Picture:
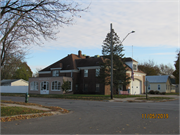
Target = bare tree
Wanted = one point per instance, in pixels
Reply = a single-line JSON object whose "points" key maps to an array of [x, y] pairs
{"points": [[32, 20], [36, 74], [166, 69]]}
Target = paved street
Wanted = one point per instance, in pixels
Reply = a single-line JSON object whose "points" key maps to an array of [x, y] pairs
{"points": [[97, 117]]}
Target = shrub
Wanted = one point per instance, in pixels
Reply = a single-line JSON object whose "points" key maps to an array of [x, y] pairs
{"points": [[151, 92], [163, 93], [156, 92]]}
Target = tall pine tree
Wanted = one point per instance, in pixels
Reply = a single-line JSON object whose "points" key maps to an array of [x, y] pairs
{"points": [[119, 68], [176, 72]]}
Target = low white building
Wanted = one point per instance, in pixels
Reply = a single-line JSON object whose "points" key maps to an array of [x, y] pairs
{"points": [[161, 83], [14, 82]]}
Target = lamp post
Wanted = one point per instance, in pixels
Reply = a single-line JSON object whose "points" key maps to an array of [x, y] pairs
{"points": [[112, 58]]}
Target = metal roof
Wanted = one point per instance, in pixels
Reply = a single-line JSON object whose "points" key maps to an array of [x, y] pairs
{"points": [[157, 79]]}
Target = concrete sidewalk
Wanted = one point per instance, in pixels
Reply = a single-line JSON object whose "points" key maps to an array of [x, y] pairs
{"points": [[176, 97], [32, 107]]}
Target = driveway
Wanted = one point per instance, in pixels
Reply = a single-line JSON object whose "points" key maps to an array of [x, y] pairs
{"points": [[97, 117]]}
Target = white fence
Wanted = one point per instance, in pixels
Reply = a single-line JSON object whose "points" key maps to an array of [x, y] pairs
{"points": [[13, 89]]}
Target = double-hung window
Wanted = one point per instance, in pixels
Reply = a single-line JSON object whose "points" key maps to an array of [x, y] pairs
{"points": [[159, 87], [55, 72], [85, 72], [97, 87], [97, 72], [34, 86], [85, 87], [149, 87], [56, 86], [135, 67]]}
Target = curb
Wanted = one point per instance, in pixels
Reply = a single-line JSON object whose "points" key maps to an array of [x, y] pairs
{"points": [[141, 101]]}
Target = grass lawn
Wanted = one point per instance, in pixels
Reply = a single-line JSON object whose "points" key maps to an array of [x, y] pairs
{"points": [[73, 96], [172, 94], [154, 98], [9, 111]]}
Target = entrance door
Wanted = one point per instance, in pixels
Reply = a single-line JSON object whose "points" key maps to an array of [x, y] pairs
{"points": [[136, 87], [44, 87]]}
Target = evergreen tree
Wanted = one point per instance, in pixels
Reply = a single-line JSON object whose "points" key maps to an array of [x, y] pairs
{"points": [[176, 72], [119, 68]]}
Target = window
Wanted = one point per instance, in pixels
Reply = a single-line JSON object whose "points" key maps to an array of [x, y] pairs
{"points": [[85, 72], [120, 87], [159, 86], [69, 86], [56, 86], [97, 72], [34, 86], [85, 87], [97, 87], [76, 87], [149, 87], [55, 72], [134, 67], [44, 85]]}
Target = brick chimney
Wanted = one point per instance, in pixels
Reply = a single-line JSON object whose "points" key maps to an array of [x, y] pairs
{"points": [[79, 54]]}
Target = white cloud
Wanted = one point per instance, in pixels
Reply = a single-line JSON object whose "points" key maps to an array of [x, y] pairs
{"points": [[155, 23]]}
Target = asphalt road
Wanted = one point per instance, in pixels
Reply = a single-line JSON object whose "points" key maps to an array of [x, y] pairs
{"points": [[97, 117]]}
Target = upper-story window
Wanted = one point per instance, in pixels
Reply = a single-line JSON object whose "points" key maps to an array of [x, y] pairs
{"points": [[97, 72], [55, 73], [85, 72], [134, 67]]}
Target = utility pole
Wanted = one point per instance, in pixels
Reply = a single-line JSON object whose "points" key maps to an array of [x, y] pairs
{"points": [[146, 88], [111, 63]]}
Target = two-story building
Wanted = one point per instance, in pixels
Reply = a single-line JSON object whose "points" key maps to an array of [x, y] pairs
{"points": [[82, 73]]}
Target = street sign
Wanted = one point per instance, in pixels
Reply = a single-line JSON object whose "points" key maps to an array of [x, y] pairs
{"points": [[146, 82]]}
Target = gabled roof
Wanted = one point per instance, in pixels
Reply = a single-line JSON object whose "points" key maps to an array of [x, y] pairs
{"points": [[157, 79], [129, 59], [72, 62], [67, 63], [89, 62], [8, 81]]}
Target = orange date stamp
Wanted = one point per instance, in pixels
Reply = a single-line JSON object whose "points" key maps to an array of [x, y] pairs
{"points": [[155, 116]]}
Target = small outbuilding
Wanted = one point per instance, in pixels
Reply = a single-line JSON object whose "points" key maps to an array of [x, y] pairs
{"points": [[161, 83], [14, 82]]}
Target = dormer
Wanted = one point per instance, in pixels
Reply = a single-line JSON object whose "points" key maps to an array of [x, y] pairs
{"points": [[56, 70], [132, 63]]}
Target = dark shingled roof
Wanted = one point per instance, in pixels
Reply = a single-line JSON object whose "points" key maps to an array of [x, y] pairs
{"points": [[72, 62], [67, 63], [89, 62]]}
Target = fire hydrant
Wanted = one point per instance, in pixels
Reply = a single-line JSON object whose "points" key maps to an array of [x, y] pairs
{"points": [[26, 97]]}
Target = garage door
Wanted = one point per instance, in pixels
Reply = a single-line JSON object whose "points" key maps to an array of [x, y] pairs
{"points": [[136, 87]]}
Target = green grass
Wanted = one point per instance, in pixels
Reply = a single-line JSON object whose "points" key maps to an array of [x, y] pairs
{"points": [[154, 98], [9, 111], [172, 94]]}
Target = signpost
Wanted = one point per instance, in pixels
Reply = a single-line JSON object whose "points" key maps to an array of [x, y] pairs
{"points": [[146, 83]]}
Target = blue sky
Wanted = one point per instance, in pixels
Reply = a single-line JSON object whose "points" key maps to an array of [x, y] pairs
{"points": [[155, 23]]}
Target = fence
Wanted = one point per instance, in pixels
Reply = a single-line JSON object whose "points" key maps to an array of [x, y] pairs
{"points": [[13, 89]]}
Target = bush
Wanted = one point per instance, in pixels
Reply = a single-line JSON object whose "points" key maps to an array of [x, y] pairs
{"points": [[151, 92], [163, 93], [156, 92]]}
